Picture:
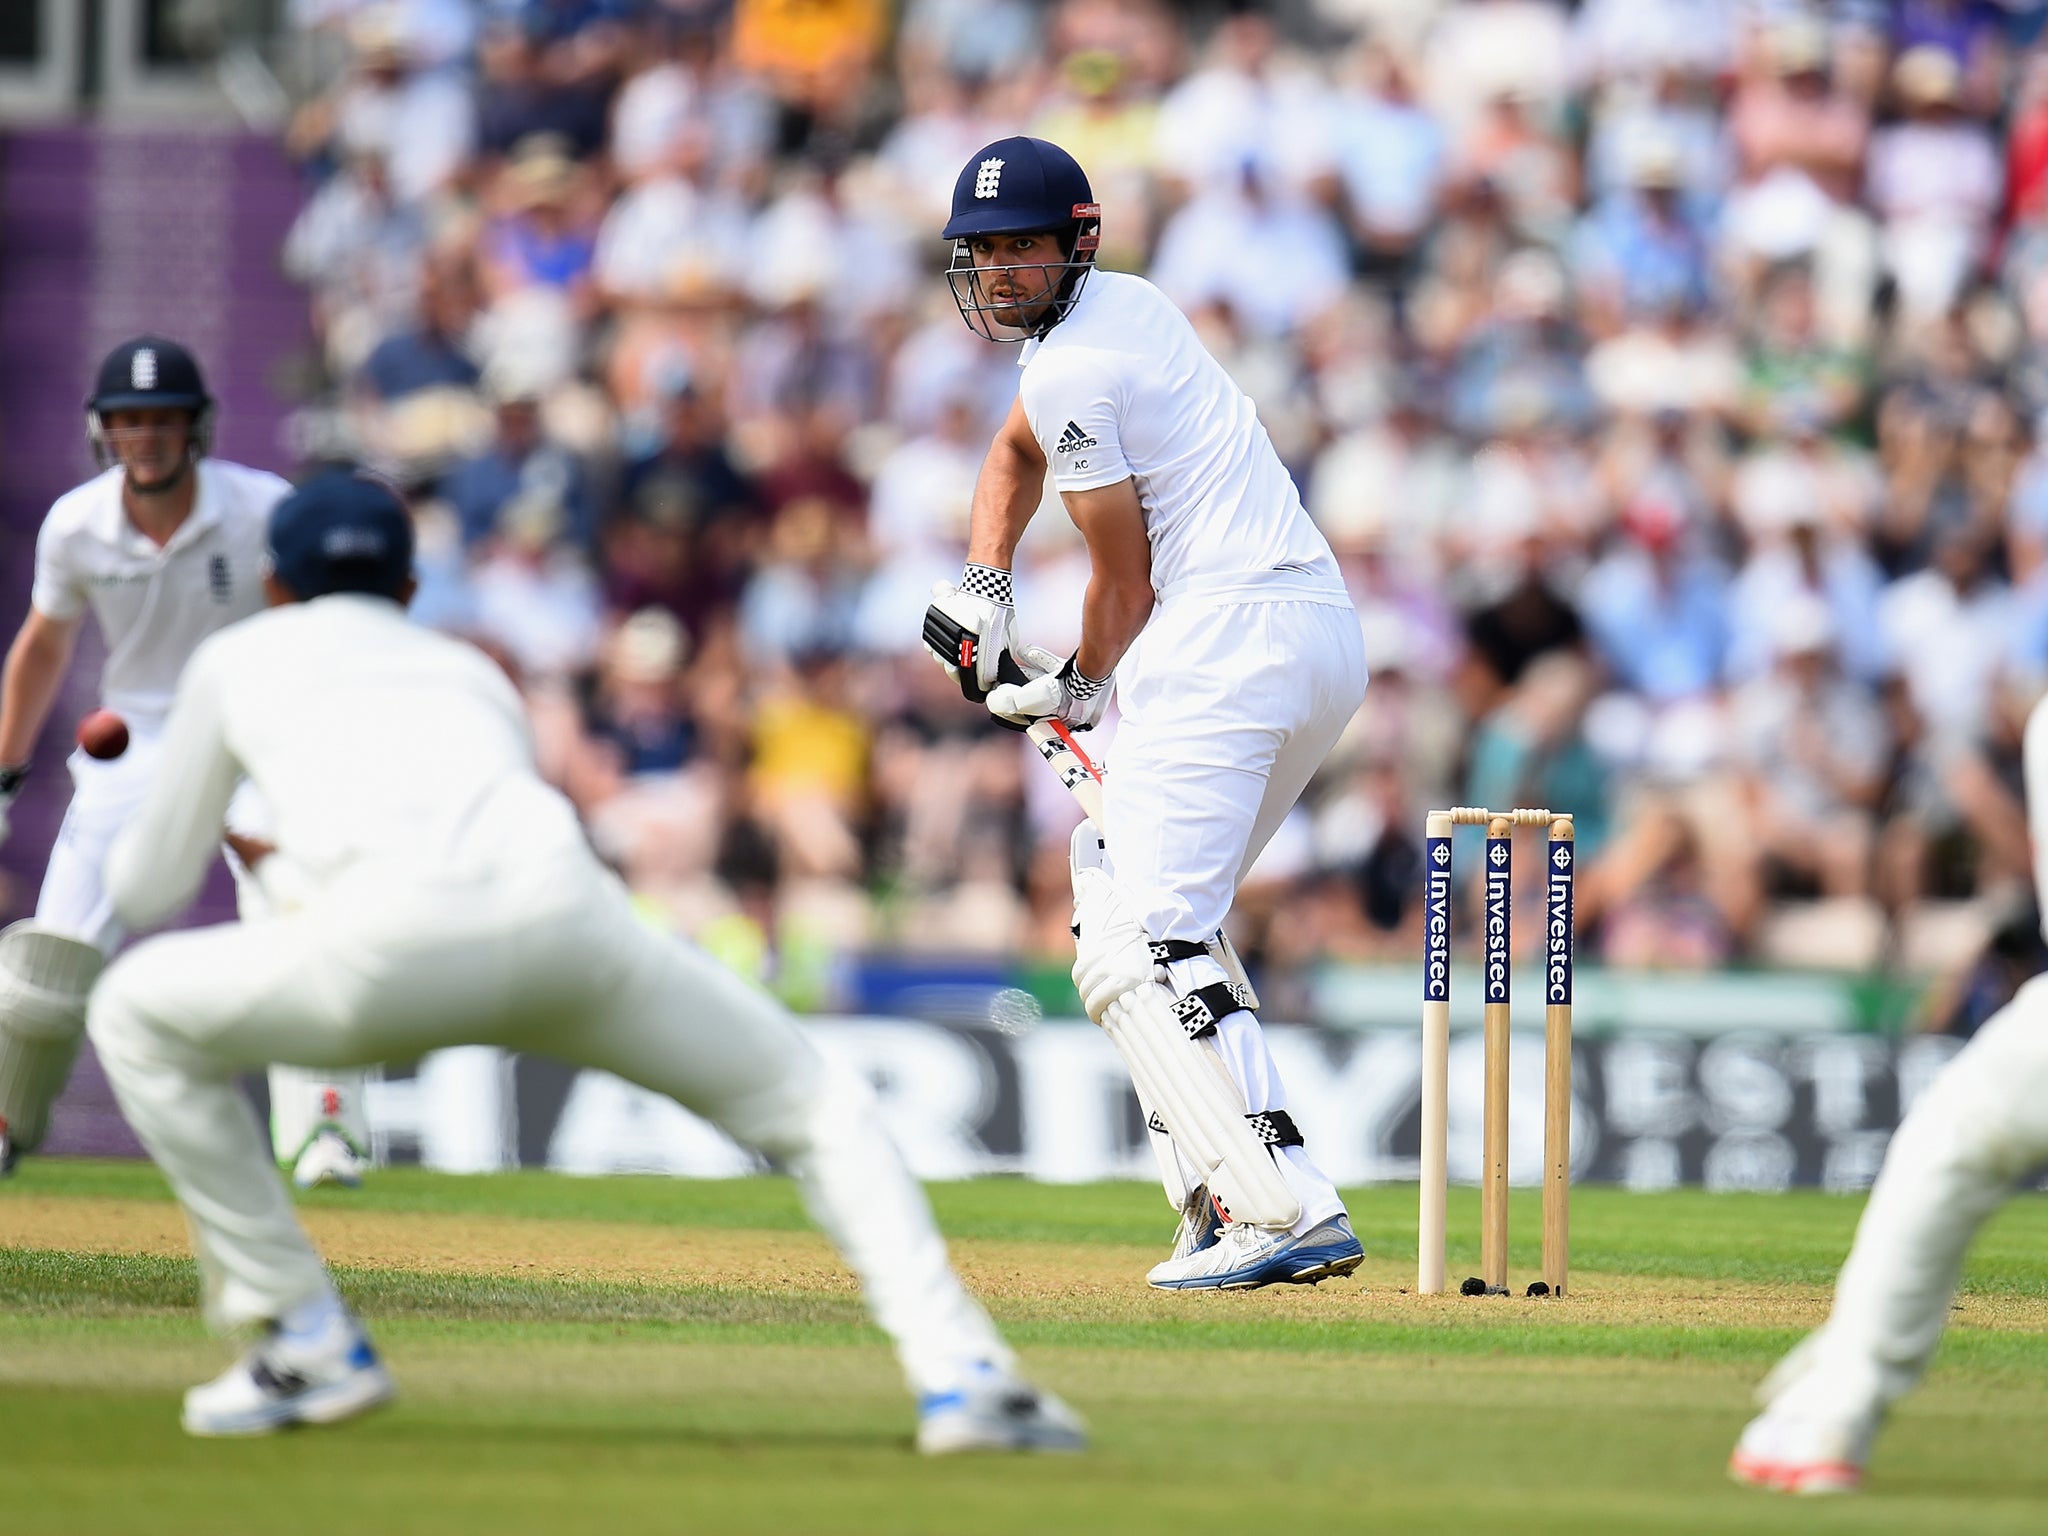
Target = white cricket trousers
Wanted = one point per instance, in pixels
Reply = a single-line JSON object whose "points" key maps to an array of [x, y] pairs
{"points": [[1228, 709], [105, 795], [541, 954], [1977, 1131]]}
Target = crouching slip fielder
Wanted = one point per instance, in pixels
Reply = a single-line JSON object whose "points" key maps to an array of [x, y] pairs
{"points": [[164, 547], [1237, 657], [448, 898], [1977, 1133]]}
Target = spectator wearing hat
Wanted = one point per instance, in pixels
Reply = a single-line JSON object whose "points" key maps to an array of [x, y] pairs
{"points": [[435, 350], [541, 239], [1811, 750], [1643, 253], [1802, 508], [1655, 604], [404, 100], [1935, 183], [1793, 378], [520, 462], [1110, 121], [359, 251], [1949, 629], [1792, 117], [1276, 259], [1390, 158], [534, 84]]}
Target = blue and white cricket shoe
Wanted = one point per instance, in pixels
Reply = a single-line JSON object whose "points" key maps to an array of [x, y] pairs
{"points": [[317, 1375], [993, 1410], [1246, 1257]]}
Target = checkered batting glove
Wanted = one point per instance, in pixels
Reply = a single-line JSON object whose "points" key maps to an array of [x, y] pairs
{"points": [[967, 628], [1059, 690]]}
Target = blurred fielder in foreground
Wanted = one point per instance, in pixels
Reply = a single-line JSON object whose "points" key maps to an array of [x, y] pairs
{"points": [[1978, 1132], [447, 897], [1237, 656], [164, 547]]}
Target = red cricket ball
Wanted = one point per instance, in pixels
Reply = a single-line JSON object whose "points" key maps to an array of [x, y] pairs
{"points": [[103, 734]]}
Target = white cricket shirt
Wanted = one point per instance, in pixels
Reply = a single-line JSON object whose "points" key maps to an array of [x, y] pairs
{"points": [[374, 742], [154, 605], [1123, 388]]}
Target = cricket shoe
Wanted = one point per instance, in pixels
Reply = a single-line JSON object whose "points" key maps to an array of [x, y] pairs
{"points": [[1791, 1453], [321, 1370], [329, 1159], [1246, 1257], [993, 1410], [1200, 1226]]}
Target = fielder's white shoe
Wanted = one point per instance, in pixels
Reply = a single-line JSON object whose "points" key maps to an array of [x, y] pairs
{"points": [[1821, 1413], [993, 1410], [1245, 1257], [1791, 1453], [319, 1371], [329, 1159]]}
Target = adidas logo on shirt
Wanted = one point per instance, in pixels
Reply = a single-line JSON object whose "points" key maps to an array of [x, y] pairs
{"points": [[1073, 439]]}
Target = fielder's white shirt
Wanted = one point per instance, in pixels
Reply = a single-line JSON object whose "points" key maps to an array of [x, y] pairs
{"points": [[1123, 388], [154, 605], [373, 741]]}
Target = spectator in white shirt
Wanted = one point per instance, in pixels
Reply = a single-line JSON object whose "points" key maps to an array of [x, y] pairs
{"points": [[1936, 183]]}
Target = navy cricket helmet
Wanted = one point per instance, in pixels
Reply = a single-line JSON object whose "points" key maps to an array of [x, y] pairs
{"points": [[149, 373], [1021, 186]]}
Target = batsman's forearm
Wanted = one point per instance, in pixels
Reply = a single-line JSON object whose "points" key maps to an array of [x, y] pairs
{"points": [[1006, 494], [1111, 616], [28, 687]]}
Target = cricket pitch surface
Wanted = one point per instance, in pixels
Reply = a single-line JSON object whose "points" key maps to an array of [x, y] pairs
{"points": [[641, 1354]]}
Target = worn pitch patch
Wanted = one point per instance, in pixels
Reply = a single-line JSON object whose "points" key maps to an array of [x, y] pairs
{"points": [[1038, 1279]]}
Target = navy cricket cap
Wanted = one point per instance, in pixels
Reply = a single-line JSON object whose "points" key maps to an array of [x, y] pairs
{"points": [[341, 532], [1019, 185]]}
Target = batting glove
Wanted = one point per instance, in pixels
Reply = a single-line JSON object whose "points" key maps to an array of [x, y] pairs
{"points": [[1057, 691], [967, 628]]}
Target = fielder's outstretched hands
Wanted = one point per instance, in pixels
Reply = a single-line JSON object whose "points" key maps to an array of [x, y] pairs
{"points": [[1056, 691], [967, 628]]}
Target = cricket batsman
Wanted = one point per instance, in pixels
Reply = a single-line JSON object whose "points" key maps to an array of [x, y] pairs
{"points": [[1978, 1133], [164, 546], [446, 896], [1216, 611]]}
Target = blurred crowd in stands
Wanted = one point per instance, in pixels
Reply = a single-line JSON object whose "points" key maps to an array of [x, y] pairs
{"points": [[1667, 375]]}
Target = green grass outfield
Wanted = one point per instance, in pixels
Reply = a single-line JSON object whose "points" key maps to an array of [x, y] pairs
{"points": [[631, 1355]]}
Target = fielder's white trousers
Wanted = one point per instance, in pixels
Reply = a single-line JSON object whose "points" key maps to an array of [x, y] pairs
{"points": [[1228, 710], [1978, 1129], [543, 955], [105, 794]]}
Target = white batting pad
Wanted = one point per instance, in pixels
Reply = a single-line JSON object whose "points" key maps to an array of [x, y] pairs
{"points": [[1204, 1112]]}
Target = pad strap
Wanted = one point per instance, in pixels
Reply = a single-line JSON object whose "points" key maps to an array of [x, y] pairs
{"points": [[1166, 951], [1200, 1011], [1275, 1127]]}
